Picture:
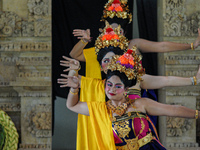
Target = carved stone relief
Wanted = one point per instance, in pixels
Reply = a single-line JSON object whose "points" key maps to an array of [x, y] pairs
{"points": [[38, 7], [38, 121], [25, 69], [177, 126], [177, 23], [11, 25]]}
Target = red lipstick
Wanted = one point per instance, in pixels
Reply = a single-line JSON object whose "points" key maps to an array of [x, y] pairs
{"points": [[112, 94]]}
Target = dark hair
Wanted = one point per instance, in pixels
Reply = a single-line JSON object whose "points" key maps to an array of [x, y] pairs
{"points": [[102, 52], [123, 78]]}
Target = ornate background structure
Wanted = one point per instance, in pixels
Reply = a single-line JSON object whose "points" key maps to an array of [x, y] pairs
{"points": [[25, 69], [178, 21]]}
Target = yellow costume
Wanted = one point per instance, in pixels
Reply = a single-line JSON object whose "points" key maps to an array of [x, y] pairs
{"points": [[93, 69], [85, 136], [99, 135]]}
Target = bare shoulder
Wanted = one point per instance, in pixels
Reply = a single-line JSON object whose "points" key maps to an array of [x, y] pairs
{"points": [[139, 105]]}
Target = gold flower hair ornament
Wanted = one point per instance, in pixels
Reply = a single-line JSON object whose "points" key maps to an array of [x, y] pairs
{"points": [[116, 8], [111, 37], [129, 63]]}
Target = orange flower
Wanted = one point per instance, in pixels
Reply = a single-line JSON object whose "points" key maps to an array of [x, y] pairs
{"points": [[115, 37], [119, 8], [131, 62], [123, 60], [110, 8]]}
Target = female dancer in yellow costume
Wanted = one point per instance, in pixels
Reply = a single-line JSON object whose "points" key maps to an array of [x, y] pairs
{"points": [[85, 125], [120, 15], [125, 117]]}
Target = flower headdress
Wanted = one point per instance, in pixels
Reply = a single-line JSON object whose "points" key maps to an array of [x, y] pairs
{"points": [[111, 37], [129, 63], [117, 8]]}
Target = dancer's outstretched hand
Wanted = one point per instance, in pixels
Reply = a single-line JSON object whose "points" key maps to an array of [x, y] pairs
{"points": [[73, 64], [82, 34], [197, 41], [198, 76], [68, 81]]}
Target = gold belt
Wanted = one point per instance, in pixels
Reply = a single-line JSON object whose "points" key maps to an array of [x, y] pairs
{"points": [[134, 144]]}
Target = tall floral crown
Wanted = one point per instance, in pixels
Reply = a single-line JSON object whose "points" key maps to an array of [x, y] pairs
{"points": [[129, 63], [110, 37], [116, 8]]}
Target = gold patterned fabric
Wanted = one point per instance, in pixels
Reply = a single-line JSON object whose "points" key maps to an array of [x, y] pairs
{"points": [[124, 128]]}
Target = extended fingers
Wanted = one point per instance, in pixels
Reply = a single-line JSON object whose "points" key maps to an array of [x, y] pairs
{"points": [[66, 76], [67, 58]]}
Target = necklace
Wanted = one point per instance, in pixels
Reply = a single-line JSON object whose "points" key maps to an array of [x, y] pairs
{"points": [[119, 110]]}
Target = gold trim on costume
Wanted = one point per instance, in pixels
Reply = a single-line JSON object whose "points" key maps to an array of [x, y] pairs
{"points": [[135, 144]]}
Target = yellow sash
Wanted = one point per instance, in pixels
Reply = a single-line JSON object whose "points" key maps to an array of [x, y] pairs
{"points": [[93, 68]]}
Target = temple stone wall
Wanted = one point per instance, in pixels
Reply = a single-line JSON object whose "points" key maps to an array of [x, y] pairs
{"points": [[178, 21], [25, 69]]}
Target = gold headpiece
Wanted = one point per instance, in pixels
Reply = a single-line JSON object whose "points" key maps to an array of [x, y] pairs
{"points": [[116, 8], [129, 63], [110, 37]]}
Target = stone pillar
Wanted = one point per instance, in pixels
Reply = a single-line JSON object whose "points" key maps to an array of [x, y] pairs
{"points": [[25, 69], [178, 21]]}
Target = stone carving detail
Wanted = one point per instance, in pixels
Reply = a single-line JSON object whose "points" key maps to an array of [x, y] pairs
{"points": [[182, 59], [177, 126], [4, 84], [27, 60], [25, 46], [27, 28], [43, 28], [38, 7], [34, 74], [10, 24], [176, 21], [38, 121], [10, 106], [182, 145], [25, 74], [38, 146], [182, 73], [185, 92]]}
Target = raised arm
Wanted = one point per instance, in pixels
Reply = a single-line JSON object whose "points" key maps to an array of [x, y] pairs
{"points": [[158, 109], [73, 102], [77, 51], [156, 82], [146, 46]]}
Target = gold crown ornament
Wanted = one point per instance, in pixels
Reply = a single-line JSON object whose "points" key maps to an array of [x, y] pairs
{"points": [[128, 63], [116, 8], [111, 37]]}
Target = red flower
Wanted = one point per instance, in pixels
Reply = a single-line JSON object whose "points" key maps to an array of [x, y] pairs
{"points": [[116, 2], [109, 30], [130, 51]]}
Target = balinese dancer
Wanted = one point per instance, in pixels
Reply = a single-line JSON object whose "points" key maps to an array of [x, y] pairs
{"points": [[108, 44], [121, 123]]}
